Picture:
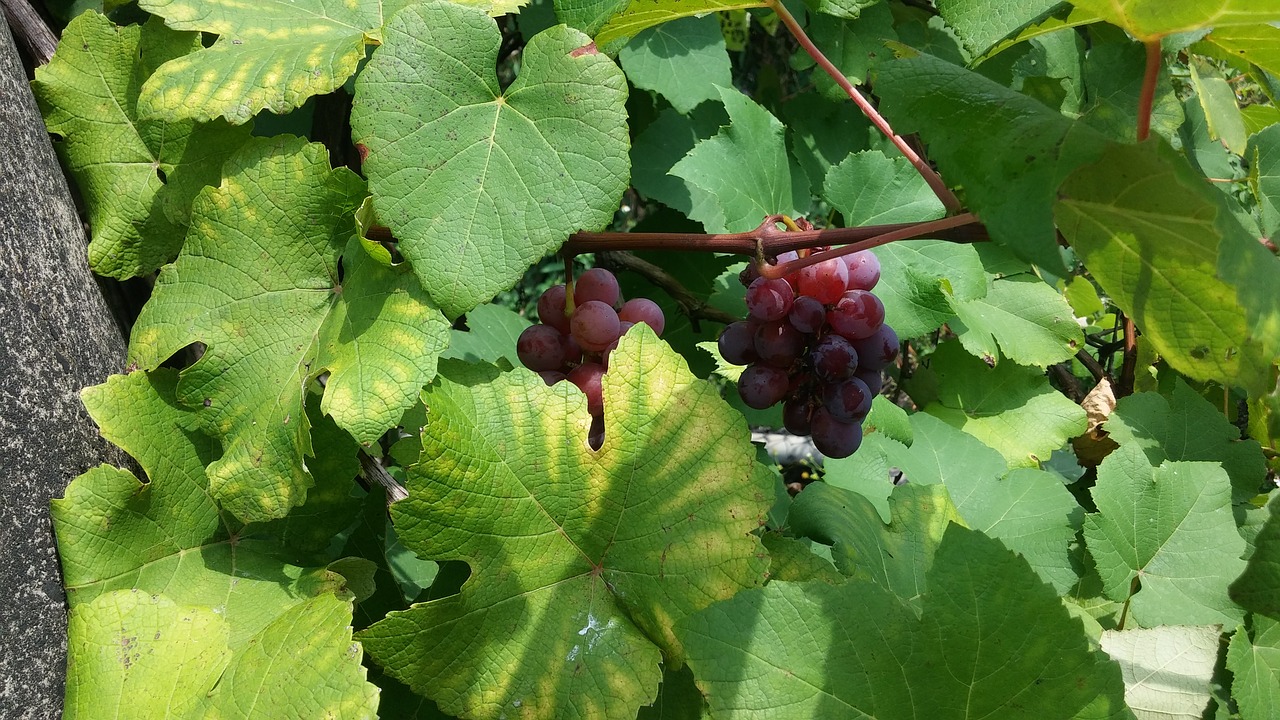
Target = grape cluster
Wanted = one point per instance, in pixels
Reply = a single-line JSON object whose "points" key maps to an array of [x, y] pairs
{"points": [[575, 345], [815, 341]]}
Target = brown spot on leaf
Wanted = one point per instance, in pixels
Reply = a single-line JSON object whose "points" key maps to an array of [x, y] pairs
{"points": [[363, 150], [588, 49]]}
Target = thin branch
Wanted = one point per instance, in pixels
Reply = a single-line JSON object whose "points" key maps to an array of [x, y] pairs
{"points": [[1147, 99], [1129, 362], [948, 198], [692, 306], [1070, 386], [767, 237], [1093, 366], [924, 229], [373, 471], [30, 29]]}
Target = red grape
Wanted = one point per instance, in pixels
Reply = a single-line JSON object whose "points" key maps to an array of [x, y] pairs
{"points": [[796, 416], [834, 438], [643, 310], [551, 377], [595, 325], [848, 400], [864, 270], [834, 358], [778, 344], [807, 315], [551, 308], [596, 284], [769, 300], [588, 377], [737, 343], [572, 350], [877, 351], [826, 281], [540, 348], [857, 315], [762, 386]]}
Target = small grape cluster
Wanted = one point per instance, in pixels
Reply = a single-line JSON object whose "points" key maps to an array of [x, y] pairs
{"points": [[815, 341], [575, 345]]}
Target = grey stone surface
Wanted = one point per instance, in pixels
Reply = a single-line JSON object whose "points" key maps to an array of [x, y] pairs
{"points": [[56, 337]]}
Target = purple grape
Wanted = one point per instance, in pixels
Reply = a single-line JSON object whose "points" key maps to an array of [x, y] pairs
{"points": [[596, 284], [588, 377], [778, 344], [643, 310], [737, 343], [793, 279], [826, 281], [595, 325], [769, 300], [848, 400], [595, 434], [807, 315], [762, 386], [864, 270], [796, 416], [551, 308], [834, 358], [857, 315], [572, 350], [877, 351], [540, 348], [873, 379], [551, 377], [834, 438]]}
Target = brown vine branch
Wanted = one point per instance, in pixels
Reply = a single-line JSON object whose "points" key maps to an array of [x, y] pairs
{"points": [[924, 229], [692, 306], [948, 198], [372, 471], [1091, 364], [767, 236], [30, 29]]}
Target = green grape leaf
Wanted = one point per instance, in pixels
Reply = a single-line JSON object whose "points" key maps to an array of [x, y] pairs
{"points": [[1263, 154], [1258, 587], [1113, 74], [919, 279], [150, 570], [870, 188], [661, 145], [138, 177], [886, 417], [822, 133], [983, 23], [269, 55], [992, 641], [1218, 100], [257, 283], [745, 169], [492, 332], [1186, 427], [1028, 319], [794, 560], [1009, 407], [581, 560], [895, 556], [1255, 44], [1171, 529], [475, 182], [970, 123], [684, 61], [852, 45], [640, 14], [1153, 19], [1167, 670], [1156, 239], [1254, 659]]}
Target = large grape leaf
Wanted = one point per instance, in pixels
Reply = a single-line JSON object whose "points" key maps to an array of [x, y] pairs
{"points": [[853, 45], [175, 608], [1028, 319], [1256, 44], [1167, 670], [1113, 73], [138, 177], [272, 54], [1152, 19], [1254, 659], [870, 188], [684, 61], [640, 14], [745, 169], [1185, 426], [1158, 241], [971, 124], [257, 283], [992, 641], [1012, 408], [920, 279], [1172, 530], [983, 23], [478, 183], [580, 560], [1263, 154], [492, 332]]}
